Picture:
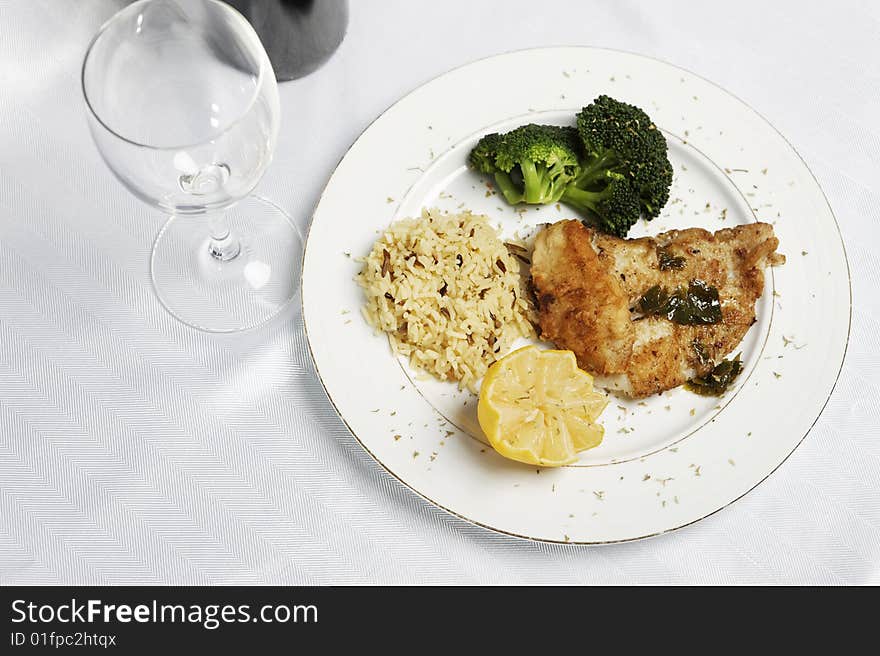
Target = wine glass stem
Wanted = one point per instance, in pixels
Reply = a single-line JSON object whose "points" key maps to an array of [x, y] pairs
{"points": [[224, 244]]}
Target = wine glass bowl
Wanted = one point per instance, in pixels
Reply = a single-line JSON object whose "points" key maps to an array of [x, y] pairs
{"points": [[183, 107]]}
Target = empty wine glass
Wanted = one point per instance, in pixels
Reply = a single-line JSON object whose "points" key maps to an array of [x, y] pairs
{"points": [[183, 106]]}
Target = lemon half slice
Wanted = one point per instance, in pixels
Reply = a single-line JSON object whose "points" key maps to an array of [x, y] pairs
{"points": [[537, 407]]}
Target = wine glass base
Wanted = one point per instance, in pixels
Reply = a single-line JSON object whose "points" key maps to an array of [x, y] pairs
{"points": [[244, 292]]}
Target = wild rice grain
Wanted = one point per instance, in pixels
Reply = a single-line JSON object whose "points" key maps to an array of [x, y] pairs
{"points": [[454, 318]]}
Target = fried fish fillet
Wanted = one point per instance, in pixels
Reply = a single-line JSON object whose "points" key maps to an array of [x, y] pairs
{"points": [[587, 286]]}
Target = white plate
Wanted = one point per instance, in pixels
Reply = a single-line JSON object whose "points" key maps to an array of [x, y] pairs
{"points": [[665, 462]]}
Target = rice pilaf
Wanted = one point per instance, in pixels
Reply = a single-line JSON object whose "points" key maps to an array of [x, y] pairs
{"points": [[448, 293]]}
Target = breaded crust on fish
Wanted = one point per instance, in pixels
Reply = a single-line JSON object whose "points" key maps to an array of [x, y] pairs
{"points": [[587, 286]]}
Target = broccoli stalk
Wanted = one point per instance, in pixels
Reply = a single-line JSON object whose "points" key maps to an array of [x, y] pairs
{"points": [[512, 194], [596, 169], [542, 183]]}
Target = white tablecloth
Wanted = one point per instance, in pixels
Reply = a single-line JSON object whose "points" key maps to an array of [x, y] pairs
{"points": [[136, 450]]}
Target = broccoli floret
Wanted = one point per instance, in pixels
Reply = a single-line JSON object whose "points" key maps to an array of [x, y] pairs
{"points": [[531, 164], [654, 189], [483, 158], [483, 155], [621, 138], [614, 165], [544, 157], [615, 205]]}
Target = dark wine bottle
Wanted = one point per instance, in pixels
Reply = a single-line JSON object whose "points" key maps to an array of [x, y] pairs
{"points": [[299, 35]]}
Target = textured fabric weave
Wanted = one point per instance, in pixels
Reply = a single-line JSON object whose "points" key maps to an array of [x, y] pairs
{"points": [[136, 450]]}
